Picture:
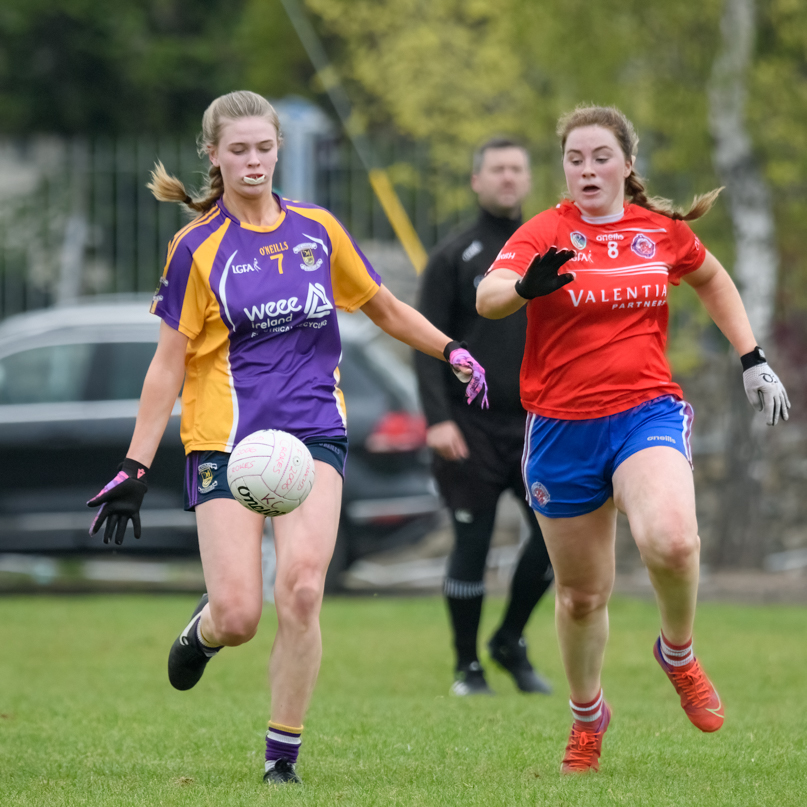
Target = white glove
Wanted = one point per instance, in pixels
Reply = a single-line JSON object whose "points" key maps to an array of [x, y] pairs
{"points": [[764, 390]]}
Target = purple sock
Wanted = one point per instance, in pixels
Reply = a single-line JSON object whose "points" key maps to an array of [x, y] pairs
{"points": [[282, 742]]}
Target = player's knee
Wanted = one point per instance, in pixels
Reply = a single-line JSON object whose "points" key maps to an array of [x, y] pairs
{"points": [[674, 550], [236, 623], [298, 598], [305, 602], [579, 604]]}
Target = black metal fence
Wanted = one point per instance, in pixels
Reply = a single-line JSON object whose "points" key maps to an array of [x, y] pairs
{"points": [[77, 219]]}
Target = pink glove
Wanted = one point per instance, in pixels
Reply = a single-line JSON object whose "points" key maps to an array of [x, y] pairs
{"points": [[469, 371]]}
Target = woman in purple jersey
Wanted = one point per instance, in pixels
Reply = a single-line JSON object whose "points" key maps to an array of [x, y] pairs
{"points": [[247, 303]]}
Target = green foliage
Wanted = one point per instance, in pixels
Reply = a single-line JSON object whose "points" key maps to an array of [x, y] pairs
{"points": [[778, 115], [146, 66], [87, 716]]}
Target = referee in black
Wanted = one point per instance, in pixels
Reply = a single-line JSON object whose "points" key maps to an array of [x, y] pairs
{"points": [[477, 453]]}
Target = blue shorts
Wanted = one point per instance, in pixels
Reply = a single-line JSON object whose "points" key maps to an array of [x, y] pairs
{"points": [[568, 465], [206, 471]]}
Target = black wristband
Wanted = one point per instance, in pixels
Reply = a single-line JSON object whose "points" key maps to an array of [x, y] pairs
{"points": [[131, 467], [754, 358], [451, 347]]}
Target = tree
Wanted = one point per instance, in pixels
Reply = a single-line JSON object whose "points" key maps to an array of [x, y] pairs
{"points": [[98, 67]]}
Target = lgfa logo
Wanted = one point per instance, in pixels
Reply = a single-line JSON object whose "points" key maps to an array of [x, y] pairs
{"points": [[241, 268]]}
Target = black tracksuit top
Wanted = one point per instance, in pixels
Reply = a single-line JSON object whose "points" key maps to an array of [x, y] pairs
{"points": [[447, 298]]}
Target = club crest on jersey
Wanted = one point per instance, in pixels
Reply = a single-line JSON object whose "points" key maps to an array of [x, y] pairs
{"points": [[540, 494], [306, 252], [643, 246], [578, 240], [206, 476], [157, 297]]}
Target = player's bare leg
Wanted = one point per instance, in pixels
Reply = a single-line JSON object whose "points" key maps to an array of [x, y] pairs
{"points": [[304, 542], [654, 487], [230, 547], [582, 553], [228, 613]]}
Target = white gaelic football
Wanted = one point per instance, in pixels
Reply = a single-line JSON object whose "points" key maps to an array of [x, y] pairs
{"points": [[271, 472]]}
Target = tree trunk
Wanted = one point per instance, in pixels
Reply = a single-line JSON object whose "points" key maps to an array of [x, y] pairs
{"points": [[740, 534]]}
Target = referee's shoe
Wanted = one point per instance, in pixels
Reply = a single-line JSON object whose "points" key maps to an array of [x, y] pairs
{"points": [[188, 657], [511, 656], [470, 680]]}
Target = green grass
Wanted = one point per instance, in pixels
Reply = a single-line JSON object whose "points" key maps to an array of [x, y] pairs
{"points": [[87, 716]]}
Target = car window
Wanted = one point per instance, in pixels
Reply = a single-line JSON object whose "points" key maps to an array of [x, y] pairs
{"points": [[355, 379], [119, 369], [397, 377], [52, 374]]}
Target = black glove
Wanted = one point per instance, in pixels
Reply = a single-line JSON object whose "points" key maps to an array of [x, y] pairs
{"points": [[120, 501], [541, 277]]}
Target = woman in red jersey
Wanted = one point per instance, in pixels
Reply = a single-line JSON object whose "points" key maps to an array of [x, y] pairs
{"points": [[608, 428]]}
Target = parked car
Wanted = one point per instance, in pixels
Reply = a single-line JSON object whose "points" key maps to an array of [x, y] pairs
{"points": [[70, 379]]}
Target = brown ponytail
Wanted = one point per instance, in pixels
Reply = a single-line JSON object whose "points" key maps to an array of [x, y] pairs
{"points": [[234, 105], [701, 204], [615, 121]]}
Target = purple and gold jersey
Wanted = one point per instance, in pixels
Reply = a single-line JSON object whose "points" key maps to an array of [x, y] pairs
{"points": [[259, 307]]}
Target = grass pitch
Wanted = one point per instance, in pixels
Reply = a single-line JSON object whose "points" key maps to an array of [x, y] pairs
{"points": [[87, 716]]}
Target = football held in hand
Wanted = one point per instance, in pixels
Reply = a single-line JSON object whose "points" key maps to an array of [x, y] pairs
{"points": [[270, 472]]}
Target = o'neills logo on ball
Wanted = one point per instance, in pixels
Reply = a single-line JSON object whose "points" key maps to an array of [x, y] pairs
{"points": [[540, 493], [643, 246], [248, 499], [578, 240]]}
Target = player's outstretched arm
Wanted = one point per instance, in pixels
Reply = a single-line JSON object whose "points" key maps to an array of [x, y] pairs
{"points": [[494, 298], [121, 498], [409, 326], [719, 295], [496, 295]]}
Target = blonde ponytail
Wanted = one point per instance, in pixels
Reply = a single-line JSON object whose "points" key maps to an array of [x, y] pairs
{"points": [[167, 188]]}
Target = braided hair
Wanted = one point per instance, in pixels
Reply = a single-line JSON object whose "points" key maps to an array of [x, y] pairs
{"points": [[234, 105], [609, 117]]}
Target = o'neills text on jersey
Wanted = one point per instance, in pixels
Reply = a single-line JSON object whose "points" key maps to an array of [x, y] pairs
{"points": [[273, 249], [649, 295]]}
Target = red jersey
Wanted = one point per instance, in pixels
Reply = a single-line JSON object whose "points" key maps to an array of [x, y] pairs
{"points": [[596, 346]]}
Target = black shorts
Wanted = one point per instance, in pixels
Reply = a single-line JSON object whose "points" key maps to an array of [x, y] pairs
{"points": [[206, 471], [496, 445]]}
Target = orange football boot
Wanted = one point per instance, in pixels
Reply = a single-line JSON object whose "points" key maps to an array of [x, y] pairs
{"points": [[584, 748], [699, 698]]}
